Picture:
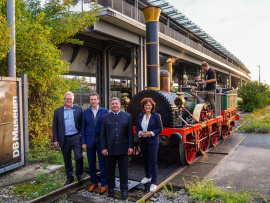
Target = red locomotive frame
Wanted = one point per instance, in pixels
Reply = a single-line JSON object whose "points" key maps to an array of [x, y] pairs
{"points": [[198, 137]]}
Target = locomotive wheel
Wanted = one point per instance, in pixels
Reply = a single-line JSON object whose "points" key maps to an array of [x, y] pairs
{"points": [[187, 151], [231, 127], [214, 137], [205, 142], [224, 131]]}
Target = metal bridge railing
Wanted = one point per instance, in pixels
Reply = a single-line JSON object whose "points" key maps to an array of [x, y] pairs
{"points": [[134, 13]]}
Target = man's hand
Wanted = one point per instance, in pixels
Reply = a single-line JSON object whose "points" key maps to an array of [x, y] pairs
{"points": [[130, 151], [203, 82], [104, 152], [56, 144], [84, 146]]}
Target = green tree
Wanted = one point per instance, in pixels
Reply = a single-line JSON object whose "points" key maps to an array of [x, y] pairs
{"points": [[5, 38], [39, 32], [255, 95]]}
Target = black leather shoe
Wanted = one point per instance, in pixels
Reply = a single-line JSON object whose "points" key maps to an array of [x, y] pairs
{"points": [[124, 195], [111, 193], [68, 182], [79, 179]]}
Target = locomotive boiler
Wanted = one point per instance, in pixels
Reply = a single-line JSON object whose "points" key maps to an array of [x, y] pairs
{"points": [[187, 120]]}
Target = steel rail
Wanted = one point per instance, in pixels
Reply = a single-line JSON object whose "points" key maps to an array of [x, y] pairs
{"points": [[57, 194], [150, 194]]}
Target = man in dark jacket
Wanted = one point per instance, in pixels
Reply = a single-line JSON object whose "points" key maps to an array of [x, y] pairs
{"points": [[67, 122], [116, 141], [91, 125]]}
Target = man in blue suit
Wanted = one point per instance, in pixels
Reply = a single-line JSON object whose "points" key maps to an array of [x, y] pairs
{"points": [[116, 142], [67, 122], [90, 132]]}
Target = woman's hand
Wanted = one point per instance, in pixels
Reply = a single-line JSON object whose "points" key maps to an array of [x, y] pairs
{"points": [[145, 134]]}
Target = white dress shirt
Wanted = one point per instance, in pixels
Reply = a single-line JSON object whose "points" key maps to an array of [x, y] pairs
{"points": [[144, 125]]}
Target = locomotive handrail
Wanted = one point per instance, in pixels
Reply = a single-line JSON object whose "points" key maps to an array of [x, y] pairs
{"points": [[191, 115]]}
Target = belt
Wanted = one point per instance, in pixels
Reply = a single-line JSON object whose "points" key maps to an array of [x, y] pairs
{"points": [[71, 135]]}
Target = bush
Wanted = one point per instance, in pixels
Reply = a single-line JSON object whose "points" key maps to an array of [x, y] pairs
{"points": [[255, 95]]}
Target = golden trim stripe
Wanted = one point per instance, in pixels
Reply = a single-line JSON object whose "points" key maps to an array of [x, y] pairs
{"points": [[152, 65], [148, 43], [152, 88]]}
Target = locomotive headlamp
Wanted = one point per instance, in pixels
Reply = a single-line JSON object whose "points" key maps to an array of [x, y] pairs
{"points": [[179, 101], [125, 100]]}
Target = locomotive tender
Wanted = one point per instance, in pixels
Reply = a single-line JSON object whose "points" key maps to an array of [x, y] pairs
{"points": [[187, 120]]}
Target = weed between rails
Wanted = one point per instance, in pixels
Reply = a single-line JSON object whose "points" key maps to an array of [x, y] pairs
{"points": [[207, 192], [42, 185]]}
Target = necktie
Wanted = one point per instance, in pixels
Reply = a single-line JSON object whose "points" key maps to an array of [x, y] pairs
{"points": [[115, 115]]}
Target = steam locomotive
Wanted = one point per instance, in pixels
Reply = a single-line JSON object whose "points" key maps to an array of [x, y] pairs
{"points": [[188, 121]]}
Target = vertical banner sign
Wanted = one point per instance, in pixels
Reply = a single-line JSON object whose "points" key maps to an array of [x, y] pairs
{"points": [[9, 124]]}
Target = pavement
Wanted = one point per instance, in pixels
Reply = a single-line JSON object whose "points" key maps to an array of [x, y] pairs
{"points": [[247, 167]]}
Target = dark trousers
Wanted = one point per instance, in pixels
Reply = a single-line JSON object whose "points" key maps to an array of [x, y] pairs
{"points": [[91, 155], [123, 171], [149, 154], [73, 143], [210, 98]]}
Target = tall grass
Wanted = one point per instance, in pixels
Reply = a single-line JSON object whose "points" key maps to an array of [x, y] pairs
{"points": [[258, 121], [207, 192]]}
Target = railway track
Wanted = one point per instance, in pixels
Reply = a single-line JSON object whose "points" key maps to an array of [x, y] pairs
{"points": [[70, 190]]}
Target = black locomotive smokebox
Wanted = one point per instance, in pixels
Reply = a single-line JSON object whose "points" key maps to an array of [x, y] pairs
{"points": [[163, 106]]}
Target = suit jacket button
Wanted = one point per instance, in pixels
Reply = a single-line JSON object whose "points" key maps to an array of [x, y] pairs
{"points": [[116, 135], [116, 142]]}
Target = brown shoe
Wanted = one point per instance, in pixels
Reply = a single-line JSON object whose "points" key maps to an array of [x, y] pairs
{"points": [[103, 189], [92, 187]]}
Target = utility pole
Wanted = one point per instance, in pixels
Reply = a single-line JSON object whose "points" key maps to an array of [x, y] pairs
{"points": [[259, 73], [11, 53]]}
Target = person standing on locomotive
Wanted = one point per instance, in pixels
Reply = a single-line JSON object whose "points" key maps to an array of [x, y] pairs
{"points": [[196, 85], [90, 136], [148, 126], [210, 81]]}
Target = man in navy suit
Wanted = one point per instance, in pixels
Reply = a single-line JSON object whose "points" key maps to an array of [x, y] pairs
{"points": [[116, 142], [67, 123], [91, 125]]}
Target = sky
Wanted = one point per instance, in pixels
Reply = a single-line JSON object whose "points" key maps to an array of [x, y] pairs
{"points": [[241, 26]]}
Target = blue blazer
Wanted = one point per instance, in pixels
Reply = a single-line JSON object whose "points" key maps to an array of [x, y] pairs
{"points": [[89, 130], [59, 123], [154, 125]]}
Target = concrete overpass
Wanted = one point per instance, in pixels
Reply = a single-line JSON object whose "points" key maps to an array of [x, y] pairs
{"points": [[114, 48]]}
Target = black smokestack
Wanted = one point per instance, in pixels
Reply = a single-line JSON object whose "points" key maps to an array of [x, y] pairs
{"points": [[151, 15]]}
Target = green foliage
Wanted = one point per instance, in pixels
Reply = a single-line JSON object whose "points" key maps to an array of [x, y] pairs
{"points": [[169, 193], [207, 192], [46, 154], [39, 32], [255, 95], [5, 37], [42, 185], [257, 122]]}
